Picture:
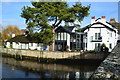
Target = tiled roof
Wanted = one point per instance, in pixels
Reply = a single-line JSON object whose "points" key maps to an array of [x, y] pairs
{"points": [[117, 25], [63, 29], [23, 39], [71, 28]]}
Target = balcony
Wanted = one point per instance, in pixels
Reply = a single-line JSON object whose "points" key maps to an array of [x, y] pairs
{"points": [[97, 40]]}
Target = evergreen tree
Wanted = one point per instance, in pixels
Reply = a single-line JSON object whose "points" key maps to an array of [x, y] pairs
{"points": [[39, 17]]}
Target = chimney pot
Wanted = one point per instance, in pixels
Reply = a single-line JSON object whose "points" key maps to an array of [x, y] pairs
{"points": [[93, 17], [103, 16]]}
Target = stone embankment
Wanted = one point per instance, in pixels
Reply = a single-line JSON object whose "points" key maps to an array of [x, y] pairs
{"points": [[110, 67], [39, 54], [53, 55]]}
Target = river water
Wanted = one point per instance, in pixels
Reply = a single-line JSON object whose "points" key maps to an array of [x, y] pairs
{"points": [[12, 68]]}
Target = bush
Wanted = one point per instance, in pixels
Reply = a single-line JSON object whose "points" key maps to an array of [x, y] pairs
{"points": [[89, 51], [73, 50], [104, 48], [11, 46]]}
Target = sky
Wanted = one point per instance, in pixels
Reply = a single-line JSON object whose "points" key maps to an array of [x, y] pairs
{"points": [[11, 12]]}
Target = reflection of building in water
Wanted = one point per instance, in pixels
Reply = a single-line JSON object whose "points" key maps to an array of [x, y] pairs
{"points": [[72, 75], [44, 70]]}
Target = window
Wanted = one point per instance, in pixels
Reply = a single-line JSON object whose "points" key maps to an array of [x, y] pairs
{"points": [[96, 46], [111, 34], [38, 44], [91, 38], [110, 46], [31, 44], [55, 36], [65, 36], [97, 36], [17, 43]]}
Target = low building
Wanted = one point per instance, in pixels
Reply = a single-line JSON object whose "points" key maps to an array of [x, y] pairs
{"points": [[24, 42], [98, 32]]}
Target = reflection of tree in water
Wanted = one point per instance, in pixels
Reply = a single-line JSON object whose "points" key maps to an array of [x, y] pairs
{"points": [[44, 70], [26, 73]]}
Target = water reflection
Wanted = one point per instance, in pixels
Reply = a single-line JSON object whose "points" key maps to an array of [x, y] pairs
{"points": [[27, 69]]}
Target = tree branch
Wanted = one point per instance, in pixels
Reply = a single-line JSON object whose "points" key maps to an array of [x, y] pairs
{"points": [[55, 21], [58, 23]]}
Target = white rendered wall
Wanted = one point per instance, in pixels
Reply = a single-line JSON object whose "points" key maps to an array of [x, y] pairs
{"points": [[8, 44], [14, 45], [33, 46], [119, 37], [64, 36], [105, 34], [68, 41]]}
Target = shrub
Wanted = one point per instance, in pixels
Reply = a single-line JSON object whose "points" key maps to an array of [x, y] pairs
{"points": [[11, 46], [73, 50], [104, 48]]}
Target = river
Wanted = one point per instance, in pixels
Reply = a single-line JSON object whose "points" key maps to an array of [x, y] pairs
{"points": [[12, 68]]}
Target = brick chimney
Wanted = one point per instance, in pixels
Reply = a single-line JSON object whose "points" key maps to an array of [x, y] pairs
{"points": [[112, 20], [103, 18], [92, 19]]}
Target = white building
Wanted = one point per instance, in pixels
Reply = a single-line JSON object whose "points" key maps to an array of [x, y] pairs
{"points": [[70, 38], [67, 38], [98, 32], [24, 42]]}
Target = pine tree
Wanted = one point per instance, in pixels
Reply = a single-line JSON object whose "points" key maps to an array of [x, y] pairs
{"points": [[39, 17]]}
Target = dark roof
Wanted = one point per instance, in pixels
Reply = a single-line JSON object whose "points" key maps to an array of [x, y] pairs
{"points": [[117, 25], [97, 19], [88, 26], [23, 39], [111, 24], [63, 29], [71, 28]]}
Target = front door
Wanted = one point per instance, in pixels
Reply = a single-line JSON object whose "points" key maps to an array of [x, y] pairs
{"points": [[97, 46], [61, 45]]}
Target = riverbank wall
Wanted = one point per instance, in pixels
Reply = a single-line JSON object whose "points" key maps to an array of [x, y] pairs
{"points": [[53, 55], [109, 69], [39, 54]]}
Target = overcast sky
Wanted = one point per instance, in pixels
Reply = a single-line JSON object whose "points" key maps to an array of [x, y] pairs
{"points": [[11, 12]]}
